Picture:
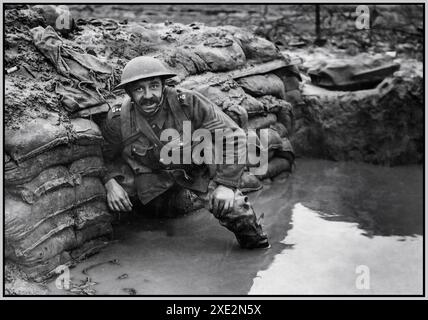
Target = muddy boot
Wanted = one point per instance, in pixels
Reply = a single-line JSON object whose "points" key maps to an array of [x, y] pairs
{"points": [[242, 221]]}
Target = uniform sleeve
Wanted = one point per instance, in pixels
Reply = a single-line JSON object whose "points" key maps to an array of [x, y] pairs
{"points": [[112, 147], [207, 115]]}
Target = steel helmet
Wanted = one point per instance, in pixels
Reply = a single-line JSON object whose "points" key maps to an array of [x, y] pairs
{"points": [[142, 68]]}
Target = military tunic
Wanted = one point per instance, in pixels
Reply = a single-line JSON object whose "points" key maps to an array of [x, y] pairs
{"points": [[142, 154]]}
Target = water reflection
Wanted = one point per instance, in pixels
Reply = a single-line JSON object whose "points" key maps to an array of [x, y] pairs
{"points": [[328, 257]]}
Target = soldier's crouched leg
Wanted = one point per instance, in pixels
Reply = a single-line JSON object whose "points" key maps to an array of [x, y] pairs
{"points": [[174, 203], [243, 222]]}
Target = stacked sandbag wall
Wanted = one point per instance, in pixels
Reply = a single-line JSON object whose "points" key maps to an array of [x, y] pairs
{"points": [[258, 102], [55, 210]]}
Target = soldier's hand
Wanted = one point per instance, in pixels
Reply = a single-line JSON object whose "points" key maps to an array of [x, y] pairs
{"points": [[117, 197], [221, 201]]}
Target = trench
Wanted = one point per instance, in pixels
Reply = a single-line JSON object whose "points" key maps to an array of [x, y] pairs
{"points": [[328, 223]]}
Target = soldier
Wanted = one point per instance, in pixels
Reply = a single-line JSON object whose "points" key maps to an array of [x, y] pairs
{"points": [[134, 131]]}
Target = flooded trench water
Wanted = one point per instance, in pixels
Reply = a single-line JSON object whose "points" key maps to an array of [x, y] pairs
{"points": [[329, 223]]}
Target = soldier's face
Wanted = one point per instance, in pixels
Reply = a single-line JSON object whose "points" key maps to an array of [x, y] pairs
{"points": [[146, 93]]}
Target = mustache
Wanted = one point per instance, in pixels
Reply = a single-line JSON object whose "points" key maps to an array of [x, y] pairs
{"points": [[147, 102]]}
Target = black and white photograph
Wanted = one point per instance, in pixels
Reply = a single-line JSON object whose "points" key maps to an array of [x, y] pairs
{"points": [[227, 149]]}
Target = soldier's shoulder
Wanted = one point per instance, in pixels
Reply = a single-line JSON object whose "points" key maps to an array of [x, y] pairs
{"points": [[183, 95], [116, 110], [113, 117], [186, 96]]}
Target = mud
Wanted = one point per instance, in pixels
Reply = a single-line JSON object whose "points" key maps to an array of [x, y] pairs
{"points": [[383, 125]]}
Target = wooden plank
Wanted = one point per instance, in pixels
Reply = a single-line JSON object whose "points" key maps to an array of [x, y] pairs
{"points": [[211, 78]]}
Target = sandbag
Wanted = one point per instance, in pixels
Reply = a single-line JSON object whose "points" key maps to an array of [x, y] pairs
{"points": [[25, 224], [275, 167], [88, 166], [249, 183], [282, 109], [280, 128], [286, 146], [238, 114], [292, 87], [62, 241], [274, 139], [16, 174], [94, 212], [48, 180], [42, 270], [80, 219], [260, 85], [38, 135], [262, 122], [57, 177], [188, 59], [229, 93], [93, 231], [220, 54], [255, 48]]}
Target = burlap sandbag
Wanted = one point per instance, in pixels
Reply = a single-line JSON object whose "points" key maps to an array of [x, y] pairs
{"points": [[48, 180], [275, 167], [221, 54], [280, 128], [61, 241], [88, 166], [282, 109], [62, 155], [43, 270], [263, 84], [256, 48], [274, 140], [185, 59], [57, 177], [27, 226], [249, 183], [262, 121], [39, 135], [92, 213], [228, 94], [93, 231], [238, 114]]}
